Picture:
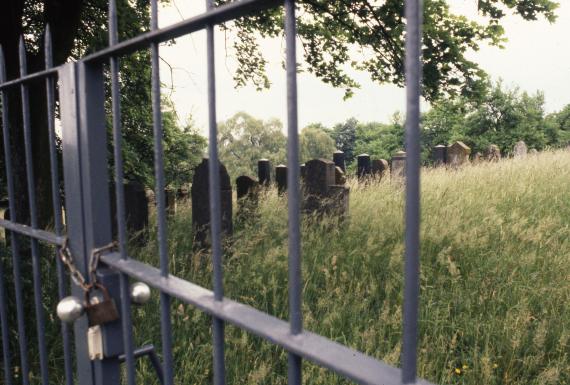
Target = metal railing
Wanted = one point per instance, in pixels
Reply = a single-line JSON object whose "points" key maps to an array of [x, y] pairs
{"points": [[88, 222]]}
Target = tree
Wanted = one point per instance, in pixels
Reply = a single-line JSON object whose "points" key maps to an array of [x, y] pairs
{"points": [[315, 143], [560, 121], [380, 140], [243, 140], [501, 116], [344, 135], [369, 35]]}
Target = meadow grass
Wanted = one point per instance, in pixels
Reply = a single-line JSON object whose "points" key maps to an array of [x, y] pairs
{"points": [[495, 279]]}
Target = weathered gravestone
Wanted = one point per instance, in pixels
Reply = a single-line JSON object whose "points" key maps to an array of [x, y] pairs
{"points": [[533, 151], [264, 172], [379, 168], [520, 149], [170, 201], [440, 155], [247, 197], [363, 166], [183, 193], [339, 160], [150, 197], [281, 178], [303, 169], [477, 158], [321, 194], [493, 153], [136, 212], [398, 170], [339, 177], [200, 193], [458, 154]]}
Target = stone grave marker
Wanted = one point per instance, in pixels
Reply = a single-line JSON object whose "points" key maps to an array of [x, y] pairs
{"points": [[440, 155], [533, 151], [136, 211], [363, 166], [520, 149], [458, 154], [379, 168], [398, 170], [170, 201], [339, 160], [339, 177], [493, 153], [201, 204], [264, 172], [281, 178], [321, 195]]}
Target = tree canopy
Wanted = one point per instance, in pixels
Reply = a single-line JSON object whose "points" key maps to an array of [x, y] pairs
{"points": [[370, 35]]}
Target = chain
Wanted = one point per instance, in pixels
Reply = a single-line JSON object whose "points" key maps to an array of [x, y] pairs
{"points": [[78, 278]]}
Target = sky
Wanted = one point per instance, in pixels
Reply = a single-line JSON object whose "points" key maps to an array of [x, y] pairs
{"points": [[536, 57]]}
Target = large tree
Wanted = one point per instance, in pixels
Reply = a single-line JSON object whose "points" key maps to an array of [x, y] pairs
{"points": [[369, 35]]}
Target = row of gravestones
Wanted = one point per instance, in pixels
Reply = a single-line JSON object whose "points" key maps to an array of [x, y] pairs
{"points": [[458, 153]]}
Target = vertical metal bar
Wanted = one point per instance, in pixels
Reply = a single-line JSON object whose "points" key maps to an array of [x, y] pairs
{"points": [[6, 358], [120, 197], [166, 326], [295, 278], [215, 206], [412, 232], [74, 217], [36, 268], [56, 202], [22, 339]]}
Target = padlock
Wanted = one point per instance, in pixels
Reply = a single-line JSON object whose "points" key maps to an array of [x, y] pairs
{"points": [[100, 312]]}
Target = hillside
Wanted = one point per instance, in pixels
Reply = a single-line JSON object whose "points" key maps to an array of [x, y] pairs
{"points": [[495, 279]]}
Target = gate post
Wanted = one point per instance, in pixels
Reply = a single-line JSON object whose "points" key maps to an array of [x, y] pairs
{"points": [[87, 208]]}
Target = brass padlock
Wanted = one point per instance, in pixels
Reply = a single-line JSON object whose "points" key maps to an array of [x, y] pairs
{"points": [[100, 312]]}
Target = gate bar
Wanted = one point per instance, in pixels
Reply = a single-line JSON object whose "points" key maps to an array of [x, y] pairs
{"points": [[218, 15], [347, 362], [28, 231], [165, 322], [413, 218], [56, 202], [15, 243], [215, 204], [126, 319], [36, 267], [294, 368]]}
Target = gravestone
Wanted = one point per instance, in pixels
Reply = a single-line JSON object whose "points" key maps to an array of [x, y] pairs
{"points": [[440, 155], [477, 158], [281, 178], [303, 171], [339, 160], [363, 166], [458, 154], [136, 211], [245, 186], [380, 168], [339, 177], [170, 201], [151, 197], [201, 204], [533, 151], [398, 170], [264, 172], [520, 149], [321, 195], [493, 153], [183, 193]]}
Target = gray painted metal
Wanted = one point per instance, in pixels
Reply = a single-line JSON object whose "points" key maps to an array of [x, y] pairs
{"points": [[88, 216]]}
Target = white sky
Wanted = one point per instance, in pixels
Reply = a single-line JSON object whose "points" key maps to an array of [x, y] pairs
{"points": [[537, 57]]}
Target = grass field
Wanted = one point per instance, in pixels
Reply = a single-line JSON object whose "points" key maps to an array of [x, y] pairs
{"points": [[495, 280]]}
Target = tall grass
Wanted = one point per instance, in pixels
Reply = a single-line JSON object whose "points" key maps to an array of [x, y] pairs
{"points": [[495, 279]]}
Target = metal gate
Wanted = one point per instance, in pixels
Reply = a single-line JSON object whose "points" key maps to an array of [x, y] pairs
{"points": [[88, 220]]}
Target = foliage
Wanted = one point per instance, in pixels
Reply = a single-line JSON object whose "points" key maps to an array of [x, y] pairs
{"points": [[501, 116], [243, 140], [344, 135], [369, 35], [380, 140], [315, 143], [493, 280]]}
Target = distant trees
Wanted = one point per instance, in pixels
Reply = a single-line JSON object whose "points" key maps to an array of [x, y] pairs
{"points": [[315, 142]]}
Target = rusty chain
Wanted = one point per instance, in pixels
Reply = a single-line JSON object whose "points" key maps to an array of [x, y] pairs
{"points": [[78, 278]]}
